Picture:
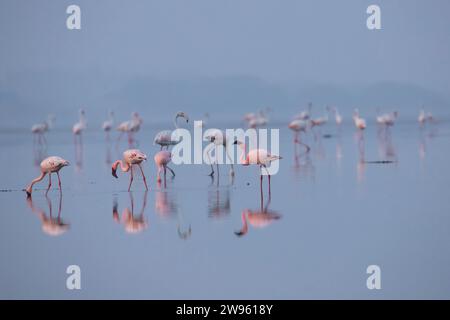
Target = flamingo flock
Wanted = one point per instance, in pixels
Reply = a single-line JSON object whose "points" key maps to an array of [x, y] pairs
{"points": [[301, 124]]}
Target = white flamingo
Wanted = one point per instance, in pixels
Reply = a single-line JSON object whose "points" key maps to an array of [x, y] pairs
{"points": [[217, 139], [164, 138]]}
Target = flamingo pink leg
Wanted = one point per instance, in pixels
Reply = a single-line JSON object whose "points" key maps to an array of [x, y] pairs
{"points": [[131, 177], [49, 182], [143, 176], [59, 180]]}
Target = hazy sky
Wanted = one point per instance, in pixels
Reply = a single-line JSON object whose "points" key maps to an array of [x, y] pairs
{"points": [[309, 41]]}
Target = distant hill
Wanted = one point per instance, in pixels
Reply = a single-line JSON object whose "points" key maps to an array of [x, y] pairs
{"points": [[29, 97]]}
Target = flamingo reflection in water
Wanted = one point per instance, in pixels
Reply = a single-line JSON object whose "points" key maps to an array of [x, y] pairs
{"points": [[132, 224], [166, 206], [52, 226], [258, 218]]}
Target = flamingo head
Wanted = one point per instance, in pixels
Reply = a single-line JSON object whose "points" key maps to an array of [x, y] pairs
{"points": [[237, 142], [183, 115]]}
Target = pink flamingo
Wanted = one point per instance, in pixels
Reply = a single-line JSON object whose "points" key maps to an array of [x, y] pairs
{"points": [[164, 138], [299, 126], [130, 158], [48, 165], [162, 158], [39, 129], [360, 123], [257, 156]]}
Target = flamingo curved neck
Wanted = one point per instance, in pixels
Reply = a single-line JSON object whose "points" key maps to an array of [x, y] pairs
{"points": [[124, 166], [175, 121]]}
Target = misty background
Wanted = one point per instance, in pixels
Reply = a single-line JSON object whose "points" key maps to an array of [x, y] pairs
{"points": [[221, 57]]}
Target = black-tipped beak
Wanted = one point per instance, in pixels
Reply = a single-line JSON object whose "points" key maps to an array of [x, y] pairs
{"points": [[28, 195], [235, 142], [114, 174], [239, 233]]}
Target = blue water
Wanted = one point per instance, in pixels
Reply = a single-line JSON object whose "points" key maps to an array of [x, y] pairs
{"points": [[335, 217]]}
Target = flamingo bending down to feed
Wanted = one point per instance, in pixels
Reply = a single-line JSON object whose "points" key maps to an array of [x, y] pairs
{"points": [[48, 165], [162, 159], [217, 139], [257, 156], [164, 138], [130, 158], [299, 126]]}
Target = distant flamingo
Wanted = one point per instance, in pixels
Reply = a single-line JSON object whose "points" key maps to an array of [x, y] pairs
{"points": [[79, 126], [162, 159], [360, 123], [164, 138], [337, 116], [305, 114], [40, 129], [108, 124], [130, 127], [259, 157], [130, 158], [217, 138], [48, 166], [299, 126], [387, 119]]}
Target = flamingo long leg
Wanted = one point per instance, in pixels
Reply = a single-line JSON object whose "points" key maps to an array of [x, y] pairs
{"points": [[131, 177], [49, 182], [59, 180], [143, 176]]}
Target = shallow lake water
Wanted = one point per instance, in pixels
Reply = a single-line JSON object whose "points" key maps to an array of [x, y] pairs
{"points": [[330, 215]]}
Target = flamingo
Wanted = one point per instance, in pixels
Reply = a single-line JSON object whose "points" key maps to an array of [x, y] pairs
{"points": [[162, 159], [130, 158], [305, 114], [39, 129], [79, 126], [130, 127], [108, 124], [337, 116], [48, 166], [257, 156], [299, 126], [164, 138], [387, 119], [422, 118], [360, 123], [217, 138]]}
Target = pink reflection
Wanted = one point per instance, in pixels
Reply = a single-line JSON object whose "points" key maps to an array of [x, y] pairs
{"points": [[131, 223], [52, 226]]}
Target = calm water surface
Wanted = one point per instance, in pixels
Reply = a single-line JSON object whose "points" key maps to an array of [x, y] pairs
{"points": [[329, 216]]}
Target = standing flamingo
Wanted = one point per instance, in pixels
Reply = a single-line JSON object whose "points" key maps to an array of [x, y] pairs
{"points": [[217, 138], [39, 129], [164, 138], [108, 124], [130, 158], [299, 126], [79, 126], [48, 165], [130, 127], [337, 116], [162, 159], [305, 114], [360, 123], [257, 156]]}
